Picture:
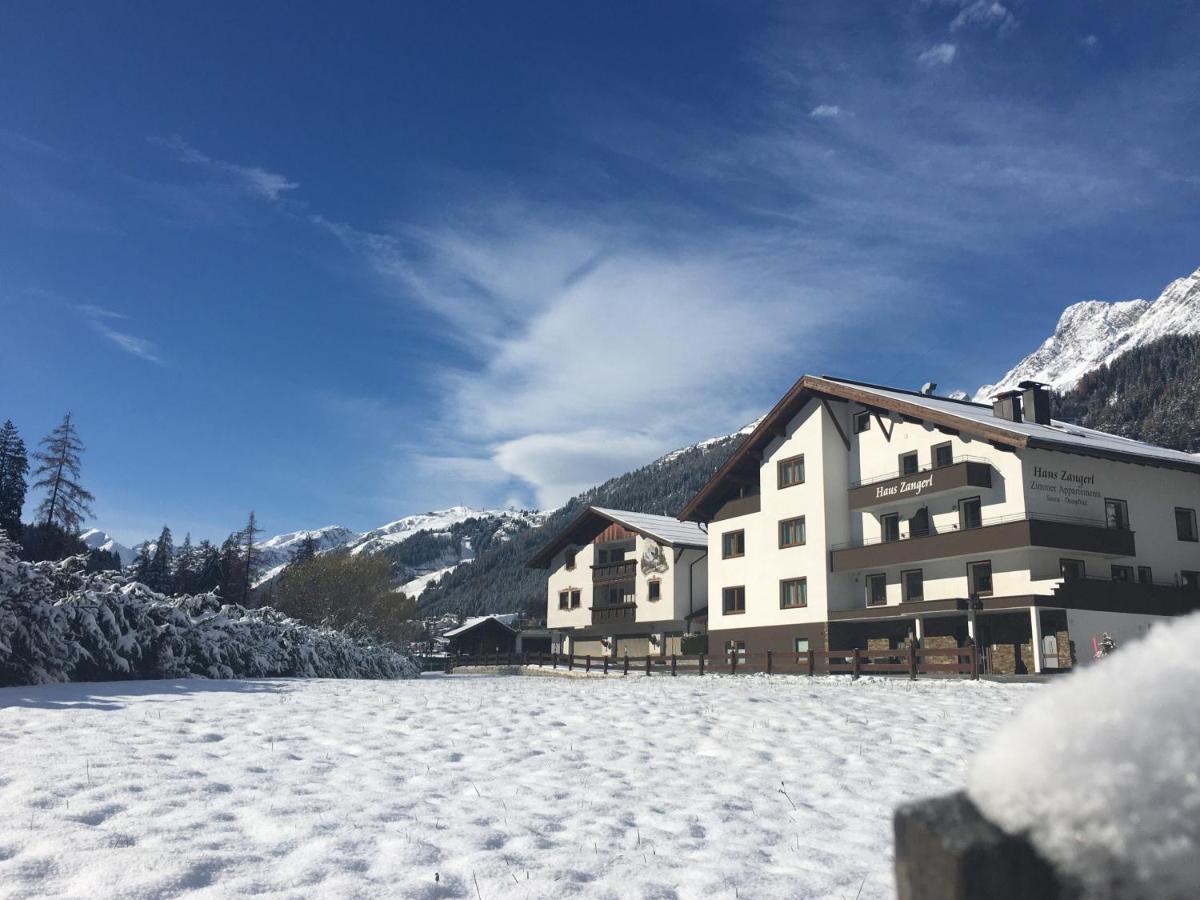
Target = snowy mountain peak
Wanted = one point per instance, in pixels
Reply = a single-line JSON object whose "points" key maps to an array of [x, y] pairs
{"points": [[1092, 333], [95, 539]]}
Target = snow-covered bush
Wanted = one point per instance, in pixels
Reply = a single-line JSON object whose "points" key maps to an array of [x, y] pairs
{"points": [[61, 623]]}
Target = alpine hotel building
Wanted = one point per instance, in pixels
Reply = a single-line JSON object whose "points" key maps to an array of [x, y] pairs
{"points": [[864, 516]]}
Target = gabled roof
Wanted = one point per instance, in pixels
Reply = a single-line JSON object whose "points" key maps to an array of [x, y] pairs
{"points": [[976, 419], [594, 519], [468, 624]]}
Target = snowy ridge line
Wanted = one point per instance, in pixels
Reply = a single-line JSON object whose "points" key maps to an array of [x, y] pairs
{"points": [[1093, 333]]}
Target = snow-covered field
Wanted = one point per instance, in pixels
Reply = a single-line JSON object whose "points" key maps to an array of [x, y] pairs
{"points": [[476, 786]]}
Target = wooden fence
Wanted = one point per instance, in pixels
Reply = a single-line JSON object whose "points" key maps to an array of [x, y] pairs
{"points": [[910, 661]]}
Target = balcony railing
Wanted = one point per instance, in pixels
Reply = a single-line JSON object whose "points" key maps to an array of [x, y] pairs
{"points": [[876, 479], [998, 533], [618, 571], [963, 472], [614, 612]]}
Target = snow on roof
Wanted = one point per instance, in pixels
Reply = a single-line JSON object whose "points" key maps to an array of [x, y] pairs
{"points": [[664, 529], [1100, 769], [1062, 433], [505, 619]]}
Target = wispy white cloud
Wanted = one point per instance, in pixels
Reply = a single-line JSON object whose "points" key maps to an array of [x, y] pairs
{"points": [[985, 14], [1091, 43], [254, 180], [825, 111], [938, 55], [99, 317]]}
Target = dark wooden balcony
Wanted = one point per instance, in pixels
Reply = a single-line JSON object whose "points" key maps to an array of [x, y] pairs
{"points": [[1010, 533], [618, 571], [963, 472], [614, 612]]}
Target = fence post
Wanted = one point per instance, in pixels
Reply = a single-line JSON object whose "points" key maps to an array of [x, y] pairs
{"points": [[701, 663], [449, 665], [587, 663], [672, 665], [606, 664], [768, 662], [570, 662], [733, 662], [626, 672], [554, 661], [854, 665], [510, 659], [811, 662], [647, 663], [974, 657], [912, 662]]}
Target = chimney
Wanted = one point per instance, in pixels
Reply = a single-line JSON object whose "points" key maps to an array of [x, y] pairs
{"points": [[1007, 405], [1036, 402]]}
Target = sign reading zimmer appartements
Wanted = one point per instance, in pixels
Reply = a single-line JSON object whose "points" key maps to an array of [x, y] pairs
{"points": [[1064, 486]]}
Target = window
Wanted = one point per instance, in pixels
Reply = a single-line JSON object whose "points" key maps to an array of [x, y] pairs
{"points": [[889, 527], [979, 578], [876, 590], [1190, 580], [1145, 576], [733, 600], [1122, 573], [791, 471], [571, 559], [620, 593], [735, 648], [912, 585], [970, 513], [1072, 568], [791, 532], [918, 525], [862, 422], [1116, 514], [943, 455], [733, 543], [793, 593], [800, 645], [564, 599], [655, 588], [575, 596], [908, 463], [1185, 524]]}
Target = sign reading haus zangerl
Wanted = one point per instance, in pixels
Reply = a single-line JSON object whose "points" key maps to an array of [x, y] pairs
{"points": [[911, 488]]}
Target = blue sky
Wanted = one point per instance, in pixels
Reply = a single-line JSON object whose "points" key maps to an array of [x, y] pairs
{"points": [[345, 264]]}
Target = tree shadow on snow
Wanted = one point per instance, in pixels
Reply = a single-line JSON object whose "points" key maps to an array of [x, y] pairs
{"points": [[108, 695]]}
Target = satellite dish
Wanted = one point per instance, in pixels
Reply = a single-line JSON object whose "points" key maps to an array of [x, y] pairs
{"points": [[928, 388]]}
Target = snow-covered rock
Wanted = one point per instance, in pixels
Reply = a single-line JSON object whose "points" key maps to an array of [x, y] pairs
{"points": [[1095, 332], [708, 442], [95, 539], [1101, 770]]}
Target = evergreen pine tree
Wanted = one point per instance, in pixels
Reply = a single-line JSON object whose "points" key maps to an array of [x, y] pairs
{"points": [[141, 563], [251, 558], [159, 573], [230, 581], [307, 549], [184, 576], [14, 466], [208, 568], [66, 501]]}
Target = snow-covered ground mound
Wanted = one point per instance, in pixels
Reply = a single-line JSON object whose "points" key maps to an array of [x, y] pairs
{"points": [[472, 786], [58, 623], [1103, 770]]}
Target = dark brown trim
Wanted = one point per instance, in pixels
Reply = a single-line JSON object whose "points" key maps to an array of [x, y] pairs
{"points": [[836, 424], [801, 579], [904, 586], [733, 612], [779, 485], [777, 638], [991, 577], [886, 433], [806, 388], [788, 521], [581, 530], [729, 534]]}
